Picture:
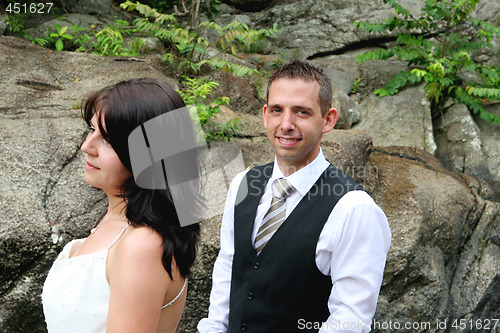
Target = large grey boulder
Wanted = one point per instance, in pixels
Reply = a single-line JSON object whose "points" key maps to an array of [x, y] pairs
{"points": [[93, 7], [341, 69], [84, 21], [489, 135], [402, 119], [459, 142], [3, 24], [38, 81], [319, 27], [241, 91], [44, 204], [44, 200], [475, 288], [344, 73], [443, 263], [254, 5]]}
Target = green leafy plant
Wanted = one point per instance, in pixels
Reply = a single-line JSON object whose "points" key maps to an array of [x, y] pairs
{"points": [[188, 48], [196, 92], [355, 86], [439, 48], [16, 24], [82, 38], [40, 41], [107, 41], [184, 7], [63, 38], [237, 36], [110, 41], [60, 36]]}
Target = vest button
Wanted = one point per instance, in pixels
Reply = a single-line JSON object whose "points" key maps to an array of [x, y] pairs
{"points": [[256, 265], [250, 296], [243, 327]]}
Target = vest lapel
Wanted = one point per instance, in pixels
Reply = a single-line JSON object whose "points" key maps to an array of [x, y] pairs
{"points": [[249, 194]]}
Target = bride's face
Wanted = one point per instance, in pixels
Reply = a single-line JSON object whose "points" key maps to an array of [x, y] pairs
{"points": [[103, 168]]}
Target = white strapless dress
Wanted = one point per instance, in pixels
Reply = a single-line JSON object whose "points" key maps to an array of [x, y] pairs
{"points": [[76, 293]]}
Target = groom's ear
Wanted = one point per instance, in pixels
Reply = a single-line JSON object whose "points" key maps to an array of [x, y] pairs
{"points": [[330, 117], [264, 114]]}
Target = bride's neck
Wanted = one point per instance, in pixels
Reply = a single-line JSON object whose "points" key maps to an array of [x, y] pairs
{"points": [[116, 206]]}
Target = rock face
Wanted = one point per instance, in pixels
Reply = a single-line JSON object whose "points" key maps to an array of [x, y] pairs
{"points": [[443, 242], [94, 7], [459, 142], [254, 5], [82, 20], [414, 117], [44, 200], [490, 144], [444, 262], [315, 28]]}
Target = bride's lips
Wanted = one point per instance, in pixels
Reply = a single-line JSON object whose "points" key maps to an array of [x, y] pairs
{"points": [[90, 166]]}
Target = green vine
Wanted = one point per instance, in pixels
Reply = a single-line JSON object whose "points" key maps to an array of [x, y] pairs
{"points": [[190, 50], [195, 92], [439, 48]]}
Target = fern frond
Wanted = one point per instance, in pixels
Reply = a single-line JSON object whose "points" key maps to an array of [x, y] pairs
{"points": [[485, 93], [463, 8], [380, 54], [371, 27], [474, 104], [399, 81], [235, 69], [398, 8], [148, 12]]}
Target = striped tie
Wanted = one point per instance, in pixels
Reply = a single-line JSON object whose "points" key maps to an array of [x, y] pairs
{"points": [[275, 215]]}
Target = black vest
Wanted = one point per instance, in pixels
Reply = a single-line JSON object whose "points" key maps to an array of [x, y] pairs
{"points": [[282, 289]]}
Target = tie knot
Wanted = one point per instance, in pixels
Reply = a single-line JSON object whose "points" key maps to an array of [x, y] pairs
{"points": [[281, 188]]}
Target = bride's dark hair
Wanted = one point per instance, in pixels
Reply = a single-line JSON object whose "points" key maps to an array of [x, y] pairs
{"points": [[120, 109]]}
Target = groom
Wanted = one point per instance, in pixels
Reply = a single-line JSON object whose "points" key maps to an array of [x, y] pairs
{"points": [[303, 247]]}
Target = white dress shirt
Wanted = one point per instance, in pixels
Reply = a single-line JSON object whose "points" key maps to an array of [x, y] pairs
{"points": [[352, 249]]}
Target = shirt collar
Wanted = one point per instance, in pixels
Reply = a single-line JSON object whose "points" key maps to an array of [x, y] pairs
{"points": [[303, 179]]}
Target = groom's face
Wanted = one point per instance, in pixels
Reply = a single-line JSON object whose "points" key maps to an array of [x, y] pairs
{"points": [[293, 121]]}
